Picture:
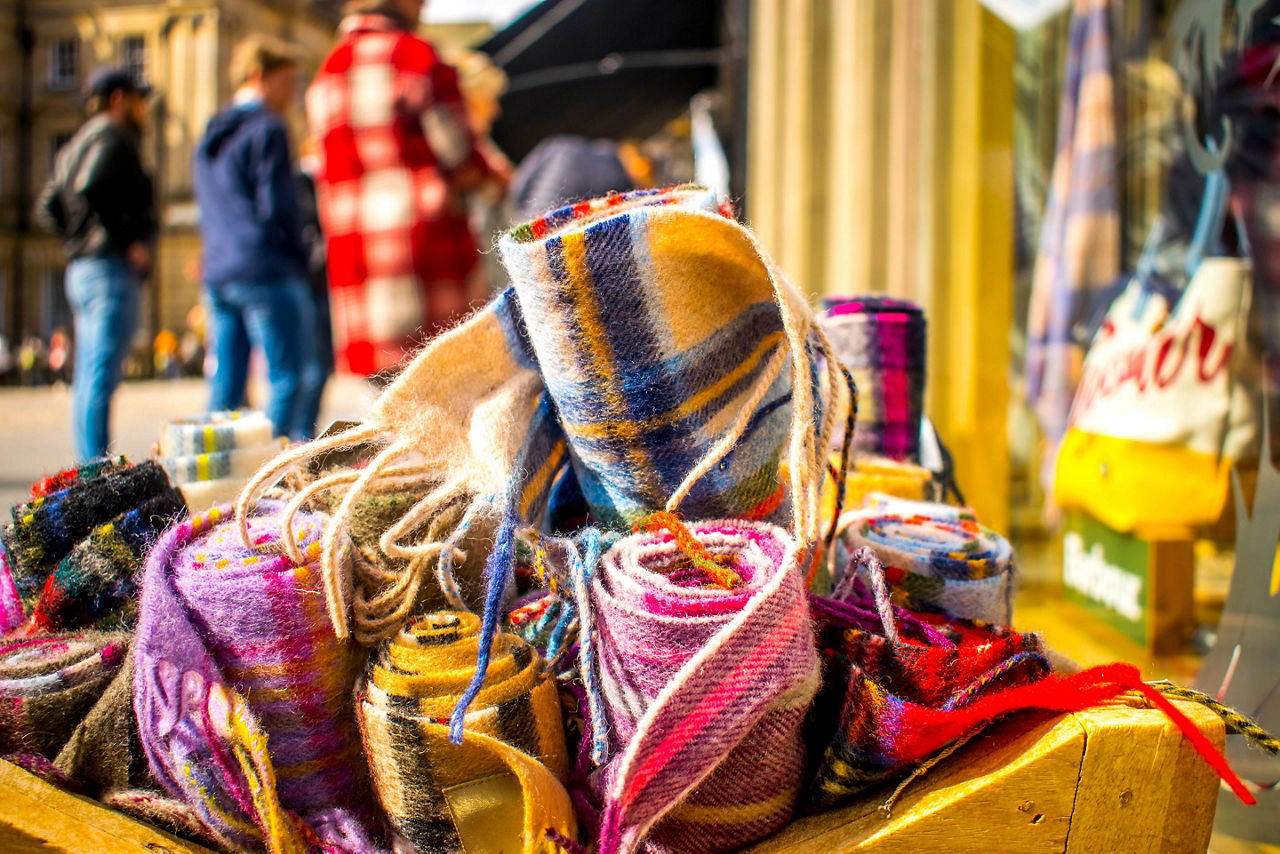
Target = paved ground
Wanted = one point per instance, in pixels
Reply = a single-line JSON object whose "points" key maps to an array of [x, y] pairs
{"points": [[35, 437]]}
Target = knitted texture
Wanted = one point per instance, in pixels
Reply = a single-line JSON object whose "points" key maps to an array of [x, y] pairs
{"points": [[215, 432], [882, 342], [500, 790], [885, 703], [95, 585], [63, 479], [952, 564], [242, 693], [46, 529], [702, 690], [49, 683], [104, 753]]}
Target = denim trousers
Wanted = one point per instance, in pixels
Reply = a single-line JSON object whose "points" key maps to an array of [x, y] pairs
{"points": [[104, 297], [279, 319]]}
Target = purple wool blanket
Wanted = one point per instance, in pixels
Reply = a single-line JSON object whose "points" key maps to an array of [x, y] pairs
{"points": [[698, 685], [242, 692]]}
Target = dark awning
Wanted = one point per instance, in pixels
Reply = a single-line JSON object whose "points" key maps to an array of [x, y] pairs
{"points": [[602, 68]]}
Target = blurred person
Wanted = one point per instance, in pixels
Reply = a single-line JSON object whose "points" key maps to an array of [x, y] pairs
{"points": [[99, 200], [6, 360], [32, 362], [255, 264], [564, 169], [482, 84], [397, 153], [164, 353], [317, 262]]}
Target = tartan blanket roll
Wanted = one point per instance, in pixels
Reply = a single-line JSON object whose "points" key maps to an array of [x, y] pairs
{"points": [[887, 704], [12, 609], [215, 432], [49, 683], [652, 318], [934, 561], [242, 691], [500, 789], [703, 688], [95, 585]]}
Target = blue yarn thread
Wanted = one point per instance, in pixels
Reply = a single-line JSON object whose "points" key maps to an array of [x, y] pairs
{"points": [[497, 573], [584, 568]]}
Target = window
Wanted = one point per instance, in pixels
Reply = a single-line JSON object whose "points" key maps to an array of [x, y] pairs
{"points": [[64, 64], [133, 57]]}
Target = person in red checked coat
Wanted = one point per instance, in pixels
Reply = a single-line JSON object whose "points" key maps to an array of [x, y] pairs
{"points": [[397, 155]]}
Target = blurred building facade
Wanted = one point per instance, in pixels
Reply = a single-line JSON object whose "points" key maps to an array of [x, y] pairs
{"points": [[183, 48]]}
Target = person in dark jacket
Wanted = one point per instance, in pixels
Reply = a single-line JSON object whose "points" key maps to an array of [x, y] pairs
{"points": [[255, 263], [99, 201]]}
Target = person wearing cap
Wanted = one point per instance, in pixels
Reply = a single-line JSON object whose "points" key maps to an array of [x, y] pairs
{"points": [[255, 262], [99, 200]]}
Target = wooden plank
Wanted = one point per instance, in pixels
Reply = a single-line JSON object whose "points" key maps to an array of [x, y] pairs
{"points": [[1011, 789], [35, 816], [1143, 788], [1117, 778], [1171, 601]]}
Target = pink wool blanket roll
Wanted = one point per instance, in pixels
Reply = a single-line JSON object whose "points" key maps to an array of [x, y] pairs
{"points": [[702, 687]]}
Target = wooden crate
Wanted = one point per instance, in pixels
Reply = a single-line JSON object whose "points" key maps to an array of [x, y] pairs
{"points": [[1116, 778]]}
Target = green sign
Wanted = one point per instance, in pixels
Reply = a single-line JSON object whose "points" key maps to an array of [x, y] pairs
{"points": [[1106, 573]]}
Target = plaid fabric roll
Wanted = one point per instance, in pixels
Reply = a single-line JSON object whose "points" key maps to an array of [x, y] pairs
{"points": [[500, 789], [88, 471], [652, 318], [242, 692], [96, 584], [888, 704], [47, 528], [952, 564], [49, 683], [239, 464], [704, 671], [215, 432], [12, 610], [882, 342]]}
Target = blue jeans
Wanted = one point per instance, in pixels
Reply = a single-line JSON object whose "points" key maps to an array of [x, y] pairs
{"points": [[278, 318], [103, 295]]}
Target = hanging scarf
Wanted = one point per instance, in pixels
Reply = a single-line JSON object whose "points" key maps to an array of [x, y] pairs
{"points": [[1079, 250], [49, 683], [700, 667], [953, 564], [242, 692], [500, 790]]}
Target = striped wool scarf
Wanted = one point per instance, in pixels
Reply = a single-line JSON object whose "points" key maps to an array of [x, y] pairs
{"points": [[242, 692], [49, 683], [500, 790], [96, 584], [934, 561], [700, 667]]}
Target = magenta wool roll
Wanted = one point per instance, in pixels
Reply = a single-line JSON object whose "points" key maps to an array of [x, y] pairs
{"points": [[704, 687], [242, 691]]}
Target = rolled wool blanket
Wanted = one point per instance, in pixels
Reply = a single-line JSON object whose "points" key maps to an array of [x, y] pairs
{"points": [[215, 432], [882, 342], [95, 585], [12, 611], [700, 691], [242, 692], [888, 703], [88, 471], [956, 565], [104, 753], [49, 683], [46, 529], [500, 789], [238, 465]]}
